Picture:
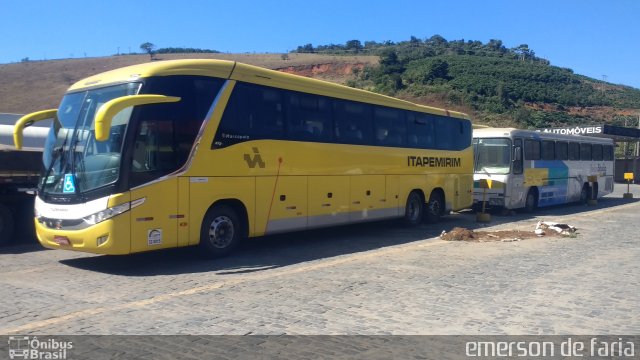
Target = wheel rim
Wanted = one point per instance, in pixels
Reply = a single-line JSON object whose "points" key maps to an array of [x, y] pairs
{"points": [[530, 201], [221, 232], [434, 207], [414, 209]]}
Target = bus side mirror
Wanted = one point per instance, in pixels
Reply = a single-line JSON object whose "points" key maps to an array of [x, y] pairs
{"points": [[517, 160], [29, 120], [108, 110]]}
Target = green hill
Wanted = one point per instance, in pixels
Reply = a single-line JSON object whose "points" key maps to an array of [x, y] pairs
{"points": [[497, 85]]}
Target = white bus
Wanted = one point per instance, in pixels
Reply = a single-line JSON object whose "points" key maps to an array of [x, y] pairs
{"points": [[530, 169]]}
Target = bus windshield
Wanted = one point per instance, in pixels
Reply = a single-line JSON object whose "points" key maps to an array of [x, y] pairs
{"points": [[493, 156], [73, 161]]}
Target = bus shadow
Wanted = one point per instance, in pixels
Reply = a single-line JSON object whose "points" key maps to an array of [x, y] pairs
{"points": [[264, 253], [499, 217], [22, 248], [270, 252]]}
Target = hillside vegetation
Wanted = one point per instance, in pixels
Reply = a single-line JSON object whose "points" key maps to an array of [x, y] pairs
{"points": [[36, 85], [497, 85]]}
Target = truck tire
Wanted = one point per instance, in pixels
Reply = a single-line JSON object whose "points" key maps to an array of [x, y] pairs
{"points": [[6, 225]]}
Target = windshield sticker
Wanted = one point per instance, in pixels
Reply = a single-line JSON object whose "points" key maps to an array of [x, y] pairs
{"points": [[69, 184]]}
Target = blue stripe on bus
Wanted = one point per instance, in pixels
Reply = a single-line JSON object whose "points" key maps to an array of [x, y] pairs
{"points": [[555, 190]]}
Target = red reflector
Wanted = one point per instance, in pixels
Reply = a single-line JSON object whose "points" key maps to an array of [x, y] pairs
{"points": [[61, 240]]}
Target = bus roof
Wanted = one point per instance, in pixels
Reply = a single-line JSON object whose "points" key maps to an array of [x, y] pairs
{"points": [[253, 74], [533, 134]]}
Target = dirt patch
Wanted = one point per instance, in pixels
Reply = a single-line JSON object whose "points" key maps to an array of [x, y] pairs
{"points": [[337, 72], [464, 234]]}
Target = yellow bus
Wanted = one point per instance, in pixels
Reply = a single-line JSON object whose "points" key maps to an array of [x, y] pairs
{"points": [[208, 152]]}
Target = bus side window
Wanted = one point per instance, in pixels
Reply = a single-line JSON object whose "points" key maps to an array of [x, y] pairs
{"points": [[308, 117], [596, 152], [253, 112], [353, 123], [532, 149], [574, 151], [390, 127], [445, 131], [517, 156], [463, 140], [585, 152], [548, 150], [421, 130], [562, 150]]}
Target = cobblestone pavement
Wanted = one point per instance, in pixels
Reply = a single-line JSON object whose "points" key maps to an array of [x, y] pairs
{"points": [[377, 278]]}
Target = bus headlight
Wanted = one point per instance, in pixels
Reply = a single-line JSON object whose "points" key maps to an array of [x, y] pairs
{"points": [[106, 214]]}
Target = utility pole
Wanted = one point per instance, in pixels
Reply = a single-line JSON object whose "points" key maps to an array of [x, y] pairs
{"points": [[626, 143]]}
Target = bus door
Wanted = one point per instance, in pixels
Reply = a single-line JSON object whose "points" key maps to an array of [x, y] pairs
{"points": [[515, 192], [154, 221]]}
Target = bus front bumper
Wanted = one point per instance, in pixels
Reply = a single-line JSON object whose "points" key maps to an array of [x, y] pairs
{"points": [[110, 237], [492, 198]]}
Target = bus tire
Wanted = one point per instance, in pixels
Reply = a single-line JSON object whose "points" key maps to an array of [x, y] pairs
{"points": [[414, 209], [220, 232], [585, 194], [435, 208], [6, 225], [531, 201]]}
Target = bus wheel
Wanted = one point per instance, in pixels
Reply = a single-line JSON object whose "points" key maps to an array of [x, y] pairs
{"points": [[6, 225], [531, 202], [220, 232], [435, 206], [585, 194], [414, 209]]}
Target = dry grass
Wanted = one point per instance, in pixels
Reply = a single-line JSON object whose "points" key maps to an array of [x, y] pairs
{"points": [[38, 85]]}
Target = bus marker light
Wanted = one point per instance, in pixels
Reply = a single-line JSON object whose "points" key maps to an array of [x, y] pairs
{"points": [[102, 239]]}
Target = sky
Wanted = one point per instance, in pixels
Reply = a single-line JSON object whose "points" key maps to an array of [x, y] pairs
{"points": [[599, 39]]}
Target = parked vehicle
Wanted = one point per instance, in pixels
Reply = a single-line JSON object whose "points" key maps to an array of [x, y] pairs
{"points": [[19, 170]]}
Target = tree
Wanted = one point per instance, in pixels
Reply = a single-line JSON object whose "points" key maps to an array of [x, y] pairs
{"points": [[389, 63], [148, 48], [522, 51], [307, 48], [355, 45]]}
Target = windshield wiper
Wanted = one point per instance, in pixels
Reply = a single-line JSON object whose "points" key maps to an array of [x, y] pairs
{"points": [[58, 152], [72, 151]]}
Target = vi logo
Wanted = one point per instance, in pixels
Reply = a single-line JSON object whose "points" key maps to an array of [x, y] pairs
{"points": [[255, 160]]}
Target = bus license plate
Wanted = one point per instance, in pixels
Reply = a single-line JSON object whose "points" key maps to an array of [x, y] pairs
{"points": [[61, 240]]}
